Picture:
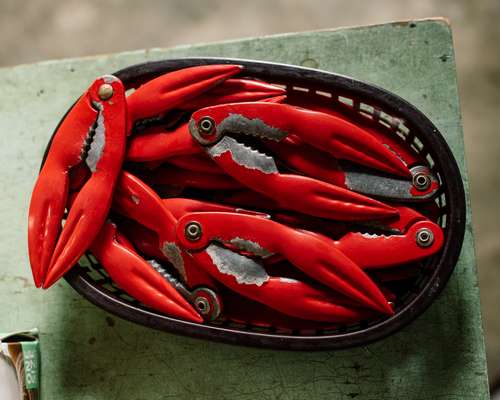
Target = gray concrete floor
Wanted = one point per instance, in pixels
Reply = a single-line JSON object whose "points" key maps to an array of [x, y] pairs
{"points": [[44, 29]]}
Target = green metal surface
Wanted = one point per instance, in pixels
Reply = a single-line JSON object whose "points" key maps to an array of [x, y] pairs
{"points": [[89, 354]]}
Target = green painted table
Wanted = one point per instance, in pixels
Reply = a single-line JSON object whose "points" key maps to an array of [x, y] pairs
{"points": [[88, 354]]}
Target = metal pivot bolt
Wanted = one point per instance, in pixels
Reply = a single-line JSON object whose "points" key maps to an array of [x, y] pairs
{"points": [[105, 91], [424, 237], [202, 305], [192, 231], [206, 126], [207, 303], [421, 181]]}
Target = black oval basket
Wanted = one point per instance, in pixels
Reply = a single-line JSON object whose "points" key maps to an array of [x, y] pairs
{"points": [[358, 99]]}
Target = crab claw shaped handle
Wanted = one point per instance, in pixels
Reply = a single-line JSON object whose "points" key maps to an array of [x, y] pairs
{"points": [[49, 196], [315, 255], [160, 144], [421, 240], [138, 278], [235, 91], [289, 296], [295, 192], [175, 88], [105, 156], [50, 192], [329, 133]]}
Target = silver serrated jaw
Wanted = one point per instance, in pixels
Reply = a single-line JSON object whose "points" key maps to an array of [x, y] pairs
{"points": [[243, 155]]}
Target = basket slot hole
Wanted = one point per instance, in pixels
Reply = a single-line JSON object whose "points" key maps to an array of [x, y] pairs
{"points": [[280, 85], [110, 287], [95, 275], [103, 273], [442, 201], [324, 94], [92, 259], [345, 100], [443, 220], [300, 89], [125, 296], [84, 262], [366, 108], [418, 144], [430, 161]]}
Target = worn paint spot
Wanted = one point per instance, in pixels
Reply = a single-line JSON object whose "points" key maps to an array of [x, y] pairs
{"points": [[98, 142], [110, 321], [243, 155], [109, 79], [245, 270], [237, 123], [372, 235], [288, 280], [173, 253], [135, 199], [250, 246]]}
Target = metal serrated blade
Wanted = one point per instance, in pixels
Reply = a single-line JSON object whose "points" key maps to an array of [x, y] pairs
{"points": [[237, 123], [245, 270], [243, 155], [367, 181]]}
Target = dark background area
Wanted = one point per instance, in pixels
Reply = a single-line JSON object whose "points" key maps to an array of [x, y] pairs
{"points": [[47, 29]]}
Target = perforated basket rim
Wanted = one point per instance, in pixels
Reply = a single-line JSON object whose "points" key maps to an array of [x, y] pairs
{"points": [[321, 80]]}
